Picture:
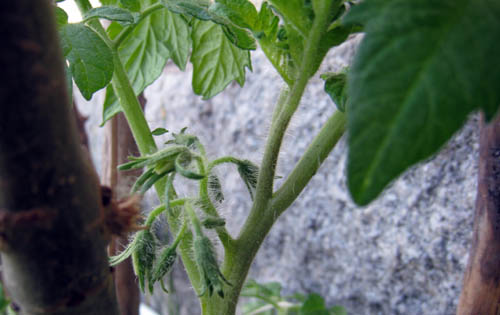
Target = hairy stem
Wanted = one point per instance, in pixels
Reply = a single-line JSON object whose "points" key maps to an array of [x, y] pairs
{"points": [[142, 135], [263, 215], [308, 165]]}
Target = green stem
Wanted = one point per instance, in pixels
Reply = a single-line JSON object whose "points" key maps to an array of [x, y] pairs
{"points": [[127, 30], [222, 160], [224, 236], [265, 299], [126, 95], [180, 234], [159, 210], [279, 105], [145, 142], [194, 219], [262, 215], [283, 114], [308, 165], [132, 110]]}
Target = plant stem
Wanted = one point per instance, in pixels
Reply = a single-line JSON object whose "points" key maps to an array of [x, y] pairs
{"points": [[262, 215], [224, 236], [143, 138], [159, 210], [194, 219], [283, 114], [308, 165]]}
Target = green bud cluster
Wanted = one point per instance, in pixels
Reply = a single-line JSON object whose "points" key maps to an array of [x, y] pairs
{"points": [[178, 156], [184, 155]]}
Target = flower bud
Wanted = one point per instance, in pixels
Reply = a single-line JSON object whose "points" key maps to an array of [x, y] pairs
{"points": [[164, 264], [215, 188], [213, 222], [249, 172], [206, 260], [143, 256]]}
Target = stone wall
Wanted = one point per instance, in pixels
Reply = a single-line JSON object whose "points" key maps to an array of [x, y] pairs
{"points": [[403, 254]]}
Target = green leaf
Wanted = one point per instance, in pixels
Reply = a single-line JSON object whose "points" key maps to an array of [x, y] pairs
{"points": [[159, 131], [421, 68], [218, 13], [216, 61], [90, 59], [295, 13], [110, 2], [196, 8], [144, 52], [61, 16], [119, 15], [240, 37], [336, 88], [132, 5], [69, 81], [332, 38], [241, 12], [276, 50], [314, 305]]}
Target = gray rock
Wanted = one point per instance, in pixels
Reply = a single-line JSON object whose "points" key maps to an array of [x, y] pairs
{"points": [[403, 254]]}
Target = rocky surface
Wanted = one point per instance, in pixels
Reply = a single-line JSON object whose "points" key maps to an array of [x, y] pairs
{"points": [[403, 254]]}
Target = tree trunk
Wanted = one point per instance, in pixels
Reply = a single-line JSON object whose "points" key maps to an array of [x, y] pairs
{"points": [[52, 236], [481, 288]]}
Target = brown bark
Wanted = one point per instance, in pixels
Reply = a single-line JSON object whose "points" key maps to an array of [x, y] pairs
{"points": [[481, 287], [119, 145], [52, 235]]}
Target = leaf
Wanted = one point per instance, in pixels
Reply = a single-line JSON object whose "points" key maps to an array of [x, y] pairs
{"points": [[69, 81], [132, 5], [90, 59], [144, 52], [218, 13], [61, 16], [119, 15], [110, 2], [276, 50], [216, 61], [336, 88], [241, 12], [159, 131], [314, 305], [196, 8], [295, 13], [419, 72]]}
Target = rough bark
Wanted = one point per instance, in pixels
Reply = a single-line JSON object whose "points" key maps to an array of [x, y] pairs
{"points": [[481, 288], [52, 236]]}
